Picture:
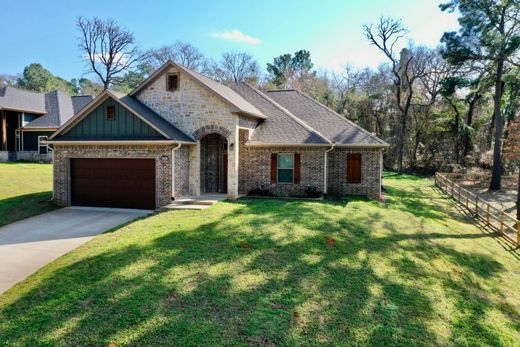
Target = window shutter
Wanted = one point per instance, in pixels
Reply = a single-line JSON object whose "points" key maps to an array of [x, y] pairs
{"points": [[296, 168], [274, 162], [354, 167]]}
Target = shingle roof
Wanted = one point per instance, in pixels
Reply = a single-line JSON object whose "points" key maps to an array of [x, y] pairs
{"points": [[280, 127], [57, 107], [239, 104], [22, 100], [333, 126]]}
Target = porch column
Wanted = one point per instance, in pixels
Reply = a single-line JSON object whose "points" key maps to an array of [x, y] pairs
{"points": [[3, 131], [194, 169], [233, 165]]}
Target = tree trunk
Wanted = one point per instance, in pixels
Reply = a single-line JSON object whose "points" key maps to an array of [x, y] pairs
{"points": [[518, 197], [468, 143], [496, 177], [401, 144]]}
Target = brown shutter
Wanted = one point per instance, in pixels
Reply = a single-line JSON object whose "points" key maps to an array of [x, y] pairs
{"points": [[354, 167], [297, 168], [274, 162]]}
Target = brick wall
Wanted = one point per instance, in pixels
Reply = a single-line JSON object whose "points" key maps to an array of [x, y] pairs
{"points": [[370, 173], [163, 168], [255, 168]]}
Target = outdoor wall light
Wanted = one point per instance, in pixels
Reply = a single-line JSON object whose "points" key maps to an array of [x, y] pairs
{"points": [[164, 158], [231, 146]]}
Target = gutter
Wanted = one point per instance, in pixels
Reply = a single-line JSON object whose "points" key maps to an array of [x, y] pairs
{"points": [[325, 157], [173, 168], [115, 142]]}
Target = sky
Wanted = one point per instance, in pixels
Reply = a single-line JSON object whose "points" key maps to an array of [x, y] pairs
{"points": [[44, 31]]}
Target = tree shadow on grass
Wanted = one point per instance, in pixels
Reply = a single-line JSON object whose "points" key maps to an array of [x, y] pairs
{"points": [[23, 206], [257, 273]]}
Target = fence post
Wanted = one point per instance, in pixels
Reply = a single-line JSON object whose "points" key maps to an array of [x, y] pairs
{"points": [[518, 233], [476, 205], [467, 199], [501, 222], [487, 214]]}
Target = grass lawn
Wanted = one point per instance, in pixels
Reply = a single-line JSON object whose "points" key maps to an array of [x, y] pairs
{"points": [[25, 191], [268, 272]]}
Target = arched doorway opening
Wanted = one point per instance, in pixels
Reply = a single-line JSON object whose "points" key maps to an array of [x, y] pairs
{"points": [[213, 164]]}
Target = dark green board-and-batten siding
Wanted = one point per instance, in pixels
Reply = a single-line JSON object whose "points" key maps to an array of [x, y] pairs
{"points": [[126, 125], [30, 139]]}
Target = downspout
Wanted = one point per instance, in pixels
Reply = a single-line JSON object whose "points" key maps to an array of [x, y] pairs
{"points": [[173, 168], [325, 169]]}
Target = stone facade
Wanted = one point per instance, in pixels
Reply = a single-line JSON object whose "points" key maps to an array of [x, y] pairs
{"points": [[370, 173], [30, 156], [191, 108], [255, 168], [181, 171], [163, 168]]}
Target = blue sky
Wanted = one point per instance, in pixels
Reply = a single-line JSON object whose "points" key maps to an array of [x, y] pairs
{"points": [[44, 31]]}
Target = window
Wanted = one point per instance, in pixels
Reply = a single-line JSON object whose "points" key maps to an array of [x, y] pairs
{"points": [[42, 147], [354, 167], [111, 113], [172, 82], [285, 168]]}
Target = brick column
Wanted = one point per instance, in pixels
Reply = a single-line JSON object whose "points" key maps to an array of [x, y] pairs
{"points": [[233, 159], [194, 169]]}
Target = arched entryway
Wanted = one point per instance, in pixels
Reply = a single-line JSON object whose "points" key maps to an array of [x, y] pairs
{"points": [[213, 163]]}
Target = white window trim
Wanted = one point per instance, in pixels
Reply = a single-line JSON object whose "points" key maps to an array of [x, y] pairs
{"points": [[40, 145]]}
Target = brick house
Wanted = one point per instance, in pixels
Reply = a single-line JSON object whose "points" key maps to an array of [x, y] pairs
{"points": [[180, 133]]}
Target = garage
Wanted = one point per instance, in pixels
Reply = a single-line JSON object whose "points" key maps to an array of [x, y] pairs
{"points": [[121, 183]]}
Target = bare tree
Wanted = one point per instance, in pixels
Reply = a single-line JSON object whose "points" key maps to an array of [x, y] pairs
{"points": [[385, 36], [109, 48], [180, 52], [235, 67]]}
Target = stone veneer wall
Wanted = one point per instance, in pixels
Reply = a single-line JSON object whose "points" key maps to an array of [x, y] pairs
{"points": [[255, 168], [182, 165], [163, 181], [370, 173], [191, 108]]}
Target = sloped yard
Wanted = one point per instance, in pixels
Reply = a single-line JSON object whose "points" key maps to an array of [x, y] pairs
{"points": [[268, 272], [25, 191]]}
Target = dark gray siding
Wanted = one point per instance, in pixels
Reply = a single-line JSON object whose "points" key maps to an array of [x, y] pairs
{"points": [[126, 125], [30, 139]]}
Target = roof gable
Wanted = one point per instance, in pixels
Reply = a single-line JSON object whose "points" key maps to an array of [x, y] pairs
{"points": [[125, 126], [136, 108], [235, 101]]}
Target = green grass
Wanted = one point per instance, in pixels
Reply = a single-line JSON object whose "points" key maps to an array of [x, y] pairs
{"points": [[261, 272], [25, 191]]}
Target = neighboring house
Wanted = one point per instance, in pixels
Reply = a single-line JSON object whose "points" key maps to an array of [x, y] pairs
{"points": [[28, 118], [180, 133]]}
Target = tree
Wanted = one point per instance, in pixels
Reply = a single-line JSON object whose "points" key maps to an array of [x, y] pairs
{"points": [[406, 69], [291, 71], [84, 86], [512, 150], [109, 48], [235, 67], [8, 80], [180, 52], [489, 36], [36, 78]]}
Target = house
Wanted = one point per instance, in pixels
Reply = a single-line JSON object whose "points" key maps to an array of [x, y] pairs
{"points": [[27, 118], [180, 133]]}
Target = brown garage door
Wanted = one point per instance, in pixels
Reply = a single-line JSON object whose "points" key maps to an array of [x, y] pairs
{"points": [[124, 183]]}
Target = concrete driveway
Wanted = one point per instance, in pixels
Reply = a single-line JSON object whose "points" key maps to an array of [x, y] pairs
{"points": [[29, 244]]}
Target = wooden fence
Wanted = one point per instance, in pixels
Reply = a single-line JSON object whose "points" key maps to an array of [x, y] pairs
{"points": [[507, 225]]}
